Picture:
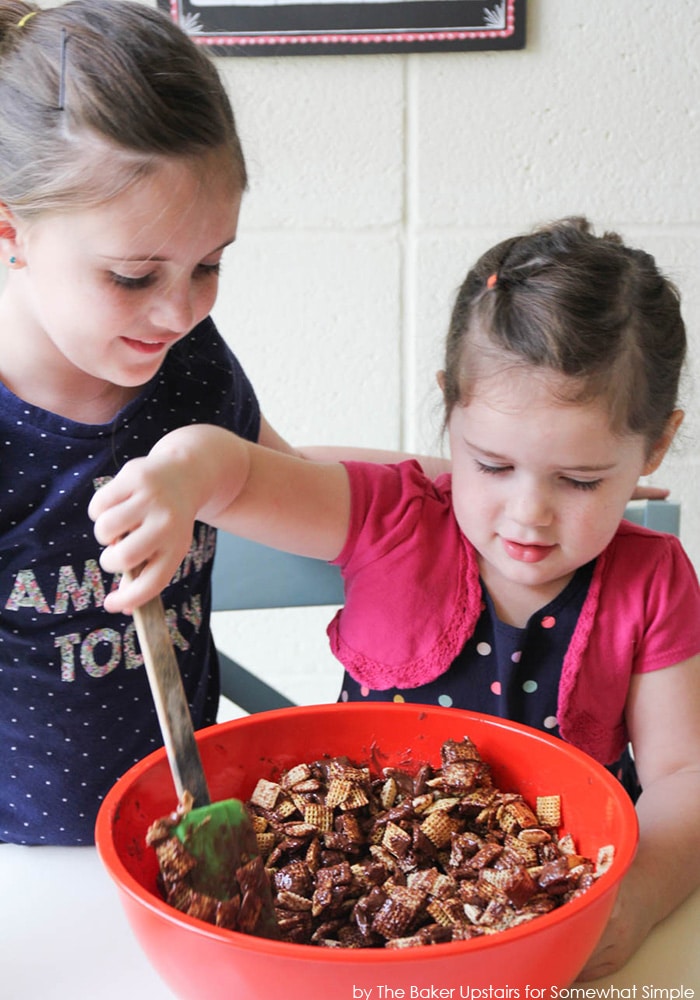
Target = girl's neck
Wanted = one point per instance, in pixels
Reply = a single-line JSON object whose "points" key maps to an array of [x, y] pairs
{"points": [[100, 407], [34, 371], [515, 603]]}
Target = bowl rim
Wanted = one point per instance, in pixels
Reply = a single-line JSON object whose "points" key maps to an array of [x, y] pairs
{"points": [[625, 848]]}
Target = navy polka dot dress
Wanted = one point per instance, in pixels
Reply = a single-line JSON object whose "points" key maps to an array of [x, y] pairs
{"points": [[75, 705], [509, 672]]}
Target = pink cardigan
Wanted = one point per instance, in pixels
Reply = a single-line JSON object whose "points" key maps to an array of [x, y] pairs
{"points": [[413, 596]]}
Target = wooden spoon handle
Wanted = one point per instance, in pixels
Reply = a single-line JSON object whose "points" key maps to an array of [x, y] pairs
{"points": [[170, 701]]}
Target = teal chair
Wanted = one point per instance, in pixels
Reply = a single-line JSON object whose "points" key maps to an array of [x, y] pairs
{"points": [[661, 515], [250, 576]]}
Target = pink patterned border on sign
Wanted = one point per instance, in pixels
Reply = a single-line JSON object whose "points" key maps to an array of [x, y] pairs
{"points": [[509, 14]]}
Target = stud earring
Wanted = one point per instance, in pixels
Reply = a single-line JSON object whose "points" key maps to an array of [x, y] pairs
{"points": [[13, 260]]}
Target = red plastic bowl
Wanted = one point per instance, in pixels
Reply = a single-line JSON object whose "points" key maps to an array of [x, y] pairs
{"points": [[198, 960]]}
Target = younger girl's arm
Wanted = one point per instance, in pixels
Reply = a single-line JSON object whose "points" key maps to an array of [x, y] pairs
{"points": [[432, 465], [144, 516], [663, 712]]}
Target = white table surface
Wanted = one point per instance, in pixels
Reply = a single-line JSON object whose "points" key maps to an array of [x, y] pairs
{"points": [[64, 936]]}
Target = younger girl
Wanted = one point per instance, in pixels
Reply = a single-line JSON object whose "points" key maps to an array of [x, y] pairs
{"points": [[511, 586]]}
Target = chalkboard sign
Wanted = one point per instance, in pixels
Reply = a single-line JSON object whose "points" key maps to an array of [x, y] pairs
{"points": [[279, 27]]}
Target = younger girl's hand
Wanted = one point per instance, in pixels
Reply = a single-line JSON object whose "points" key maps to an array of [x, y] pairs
{"points": [[630, 922], [649, 492], [144, 517]]}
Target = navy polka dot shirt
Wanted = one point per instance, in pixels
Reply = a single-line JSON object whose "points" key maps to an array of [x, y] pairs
{"points": [[75, 706]]}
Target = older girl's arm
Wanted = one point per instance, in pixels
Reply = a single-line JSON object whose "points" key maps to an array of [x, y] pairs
{"points": [[144, 516]]}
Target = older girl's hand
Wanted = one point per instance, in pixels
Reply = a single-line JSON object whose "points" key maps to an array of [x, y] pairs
{"points": [[144, 518]]}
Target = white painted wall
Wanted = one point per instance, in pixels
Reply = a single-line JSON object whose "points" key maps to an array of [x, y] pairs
{"points": [[375, 183]]}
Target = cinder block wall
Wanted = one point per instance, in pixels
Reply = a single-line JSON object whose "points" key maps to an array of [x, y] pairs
{"points": [[375, 182]]}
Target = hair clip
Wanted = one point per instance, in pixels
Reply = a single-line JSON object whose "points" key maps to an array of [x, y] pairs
{"points": [[23, 20], [62, 78], [492, 280]]}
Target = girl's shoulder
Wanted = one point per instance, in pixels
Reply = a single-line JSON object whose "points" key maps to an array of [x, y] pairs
{"points": [[631, 538], [401, 479], [203, 379], [641, 560], [394, 502], [203, 347]]}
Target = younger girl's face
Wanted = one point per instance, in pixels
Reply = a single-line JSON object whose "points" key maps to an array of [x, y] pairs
{"points": [[539, 486], [104, 292]]}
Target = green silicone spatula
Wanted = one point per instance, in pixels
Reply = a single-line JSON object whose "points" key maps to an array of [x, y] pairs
{"points": [[219, 835]]}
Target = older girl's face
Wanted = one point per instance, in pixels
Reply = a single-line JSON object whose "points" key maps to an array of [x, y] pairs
{"points": [[104, 292], [539, 486]]}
